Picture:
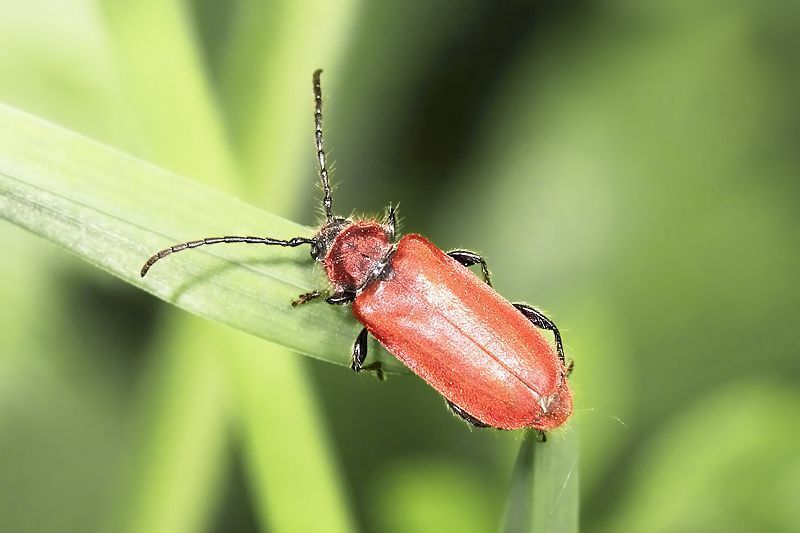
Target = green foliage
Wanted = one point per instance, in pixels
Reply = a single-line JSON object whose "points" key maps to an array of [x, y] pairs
{"points": [[115, 211], [544, 487], [630, 167]]}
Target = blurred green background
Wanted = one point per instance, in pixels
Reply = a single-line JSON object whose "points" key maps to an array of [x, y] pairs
{"points": [[630, 167]]}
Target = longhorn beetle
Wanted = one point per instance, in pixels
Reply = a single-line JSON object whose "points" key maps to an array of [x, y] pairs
{"points": [[485, 355]]}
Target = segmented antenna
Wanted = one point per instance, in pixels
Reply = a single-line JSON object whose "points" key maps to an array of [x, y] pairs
{"points": [[327, 203], [296, 241]]}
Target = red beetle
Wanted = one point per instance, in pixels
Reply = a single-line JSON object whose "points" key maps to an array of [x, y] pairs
{"points": [[485, 355]]}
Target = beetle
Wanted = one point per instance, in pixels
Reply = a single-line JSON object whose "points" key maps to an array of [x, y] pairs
{"points": [[486, 356]]}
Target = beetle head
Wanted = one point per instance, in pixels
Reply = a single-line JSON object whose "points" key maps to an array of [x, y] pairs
{"points": [[326, 235]]}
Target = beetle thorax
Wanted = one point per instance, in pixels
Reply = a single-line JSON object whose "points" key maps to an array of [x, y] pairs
{"points": [[357, 254]]}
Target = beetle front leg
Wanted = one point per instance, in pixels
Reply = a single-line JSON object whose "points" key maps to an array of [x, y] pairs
{"points": [[306, 297], [360, 355], [540, 321], [341, 298], [467, 258], [337, 298]]}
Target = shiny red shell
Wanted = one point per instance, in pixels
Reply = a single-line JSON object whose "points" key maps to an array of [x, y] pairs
{"points": [[455, 332]]}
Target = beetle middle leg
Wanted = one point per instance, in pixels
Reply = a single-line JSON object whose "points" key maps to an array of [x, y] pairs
{"points": [[360, 355], [466, 416], [539, 320], [467, 258]]}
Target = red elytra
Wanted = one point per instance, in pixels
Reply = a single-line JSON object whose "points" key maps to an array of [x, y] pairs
{"points": [[485, 355], [464, 339]]}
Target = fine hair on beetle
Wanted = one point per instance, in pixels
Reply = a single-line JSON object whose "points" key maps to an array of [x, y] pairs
{"points": [[485, 355]]}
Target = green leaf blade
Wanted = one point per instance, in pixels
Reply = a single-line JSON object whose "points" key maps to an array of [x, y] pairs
{"points": [[76, 193], [544, 486]]}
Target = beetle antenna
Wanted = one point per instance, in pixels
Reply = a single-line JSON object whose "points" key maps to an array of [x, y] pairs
{"points": [[297, 241], [327, 203]]}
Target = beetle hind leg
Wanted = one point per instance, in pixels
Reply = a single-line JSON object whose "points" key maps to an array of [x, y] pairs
{"points": [[466, 416], [467, 258], [539, 320], [360, 355]]}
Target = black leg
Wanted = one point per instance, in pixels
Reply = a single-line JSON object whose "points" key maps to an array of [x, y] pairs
{"points": [[341, 298], [360, 355], [467, 258], [466, 416], [540, 321], [542, 435], [337, 298], [359, 351]]}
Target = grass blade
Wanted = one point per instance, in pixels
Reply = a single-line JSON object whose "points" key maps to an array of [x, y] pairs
{"points": [[290, 461], [179, 456], [114, 211], [181, 127], [544, 486]]}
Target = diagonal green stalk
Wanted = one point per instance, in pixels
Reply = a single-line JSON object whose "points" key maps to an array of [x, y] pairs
{"points": [[274, 49], [181, 434], [172, 105]]}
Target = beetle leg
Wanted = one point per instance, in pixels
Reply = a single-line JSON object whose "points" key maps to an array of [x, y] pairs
{"points": [[306, 297], [359, 351], [341, 298], [467, 258], [466, 416], [360, 354], [337, 298], [540, 321]]}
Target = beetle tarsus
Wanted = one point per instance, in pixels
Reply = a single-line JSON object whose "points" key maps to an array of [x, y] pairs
{"points": [[375, 368], [306, 297], [468, 258], [539, 320], [466, 416], [541, 435]]}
